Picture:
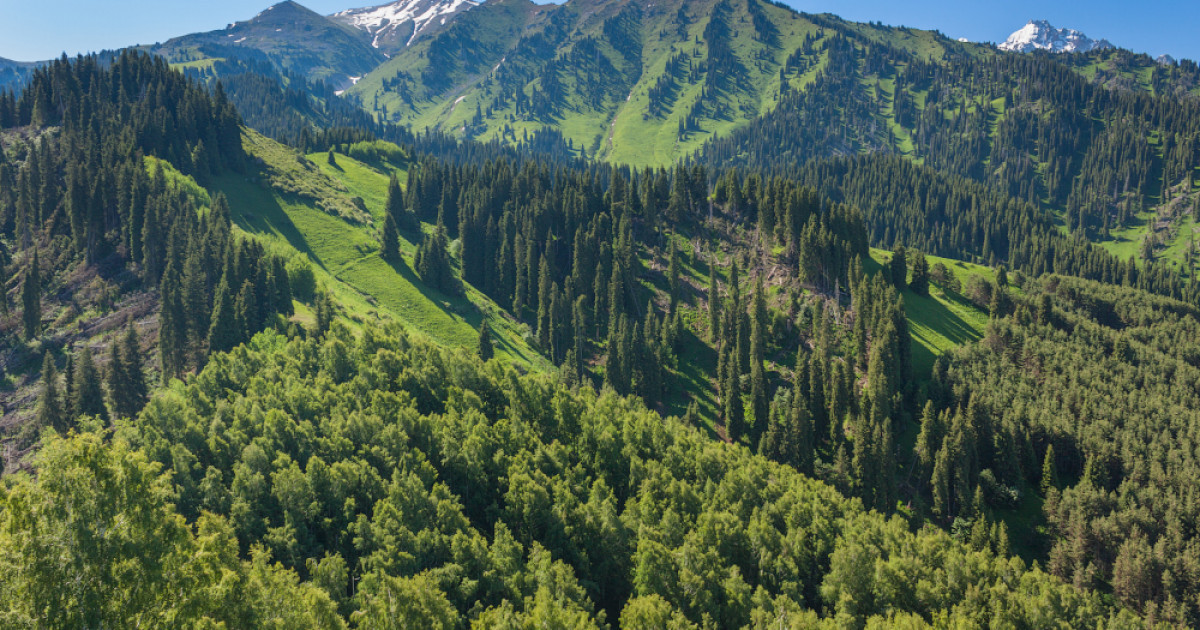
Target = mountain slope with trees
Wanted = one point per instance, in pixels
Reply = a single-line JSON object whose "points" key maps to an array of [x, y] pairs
{"points": [[378, 479]]}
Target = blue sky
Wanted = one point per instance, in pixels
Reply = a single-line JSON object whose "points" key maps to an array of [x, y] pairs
{"points": [[33, 30]]}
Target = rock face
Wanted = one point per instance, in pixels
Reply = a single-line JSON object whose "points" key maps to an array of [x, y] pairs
{"points": [[396, 25], [1041, 35]]}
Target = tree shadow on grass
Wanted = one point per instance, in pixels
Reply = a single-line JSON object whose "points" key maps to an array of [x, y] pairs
{"points": [[257, 211], [690, 382], [938, 317]]}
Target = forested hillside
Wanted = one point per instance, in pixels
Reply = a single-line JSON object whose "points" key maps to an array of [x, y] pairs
{"points": [[1085, 394], [602, 314], [96, 241], [385, 482]]}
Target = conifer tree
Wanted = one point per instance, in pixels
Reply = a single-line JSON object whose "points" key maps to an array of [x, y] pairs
{"points": [[172, 335], [31, 300], [714, 302], [543, 312], [920, 274], [899, 268], [389, 240], [68, 390], [734, 408], [224, 332], [323, 311], [485, 342], [137, 391], [50, 406], [247, 313], [579, 324], [283, 287], [802, 428], [88, 397], [758, 385], [395, 207], [1049, 471], [118, 382], [673, 279]]}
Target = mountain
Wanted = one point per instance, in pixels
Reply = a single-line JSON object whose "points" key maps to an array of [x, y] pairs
{"points": [[14, 73], [290, 37], [625, 81], [1041, 35], [450, 383], [397, 25]]}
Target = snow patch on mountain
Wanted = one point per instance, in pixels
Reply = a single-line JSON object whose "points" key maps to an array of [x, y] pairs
{"points": [[385, 20], [1041, 35]]}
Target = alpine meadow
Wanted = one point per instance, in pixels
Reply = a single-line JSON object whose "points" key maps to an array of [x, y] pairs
{"points": [[686, 314]]}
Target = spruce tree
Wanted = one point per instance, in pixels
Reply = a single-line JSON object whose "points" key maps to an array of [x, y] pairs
{"points": [[802, 429], [323, 310], [137, 392], [486, 351], [395, 207], [543, 311], [88, 397], [118, 382], [283, 287], [758, 385], [248, 320], [68, 390], [389, 241], [714, 302], [223, 334], [899, 268], [50, 407], [673, 279], [920, 274], [172, 334], [31, 300], [735, 411], [1049, 471]]}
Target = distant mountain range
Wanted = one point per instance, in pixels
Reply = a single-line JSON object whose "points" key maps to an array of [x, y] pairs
{"points": [[628, 81], [13, 73], [1041, 35]]}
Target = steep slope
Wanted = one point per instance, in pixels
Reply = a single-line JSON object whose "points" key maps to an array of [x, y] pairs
{"points": [[290, 37], [330, 216], [1113, 165], [1041, 35], [395, 26], [632, 83]]}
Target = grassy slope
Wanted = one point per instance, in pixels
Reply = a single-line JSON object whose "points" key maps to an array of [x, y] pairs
{"points": [[346, 257], [622, 130], [944, 319]]}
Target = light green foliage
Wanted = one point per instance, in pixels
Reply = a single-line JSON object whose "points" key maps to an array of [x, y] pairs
{"points": [[94, 540], [473, 496]]}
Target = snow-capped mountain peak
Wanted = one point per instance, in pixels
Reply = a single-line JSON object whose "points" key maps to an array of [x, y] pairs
{"points": [[400, 23], [1041, 35]]}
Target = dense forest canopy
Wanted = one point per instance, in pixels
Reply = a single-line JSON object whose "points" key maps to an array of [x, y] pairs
{"points": [[382, 480], [897, 331]]}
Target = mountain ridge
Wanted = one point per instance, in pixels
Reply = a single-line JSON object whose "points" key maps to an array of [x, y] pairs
{"points": [[397, 25], [1041, 35]]}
